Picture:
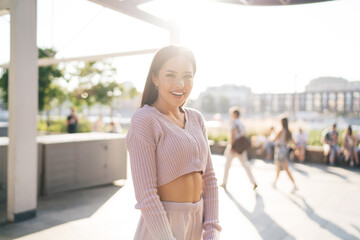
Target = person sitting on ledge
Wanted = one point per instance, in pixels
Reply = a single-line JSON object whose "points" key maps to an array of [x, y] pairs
{"points": [[301, 139], [349, 147], [330, 139]]}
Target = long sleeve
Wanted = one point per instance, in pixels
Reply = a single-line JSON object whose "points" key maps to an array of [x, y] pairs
{"points": [[210, 196], [142, 146]]}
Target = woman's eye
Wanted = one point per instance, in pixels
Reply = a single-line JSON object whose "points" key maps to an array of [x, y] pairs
{"points": [[188, 76], [170, 75]]}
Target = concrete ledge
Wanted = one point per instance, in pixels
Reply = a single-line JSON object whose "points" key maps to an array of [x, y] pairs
{"points": [[313, 154], [217, 148], [73, 161]]}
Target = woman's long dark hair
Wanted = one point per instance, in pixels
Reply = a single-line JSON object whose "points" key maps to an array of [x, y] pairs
{"points": [[150, 93], [285, 126]]}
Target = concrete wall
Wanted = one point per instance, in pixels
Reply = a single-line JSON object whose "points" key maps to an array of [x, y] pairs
{"points": [[73, 161], [82, 162]]}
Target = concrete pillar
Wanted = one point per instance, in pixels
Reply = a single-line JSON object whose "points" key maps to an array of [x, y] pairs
{"points": [[313, 105], [344, 106], [327, 106], [301, 101], [281, 104], [274, 103], [351, 102], [23, 106], [263, 103], [346, 102], [293, 105], [269, 103], [336, 102]]}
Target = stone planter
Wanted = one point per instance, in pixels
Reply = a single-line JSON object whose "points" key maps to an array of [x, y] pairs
{"points": [[217, 148], [313, 154]]}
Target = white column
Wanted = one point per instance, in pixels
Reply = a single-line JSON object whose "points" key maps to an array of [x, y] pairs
{"points": [[23, 105]]}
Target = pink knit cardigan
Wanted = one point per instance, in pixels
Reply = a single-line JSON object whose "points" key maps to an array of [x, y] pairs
{"points": [[160, 152]]}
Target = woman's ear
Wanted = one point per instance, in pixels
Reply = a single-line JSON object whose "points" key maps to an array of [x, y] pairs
{"points": [[154, 79]]}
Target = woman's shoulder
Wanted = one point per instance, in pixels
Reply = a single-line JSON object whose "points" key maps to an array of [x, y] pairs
{"points": [[145, 113], [144, 118], [194, 113], [192, 110], [144, 124]]}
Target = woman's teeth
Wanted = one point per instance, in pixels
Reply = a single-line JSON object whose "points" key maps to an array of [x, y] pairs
{"points": [[178, 93]]}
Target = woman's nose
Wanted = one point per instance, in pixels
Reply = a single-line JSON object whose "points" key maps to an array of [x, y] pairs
{"points": [[179, 82]]}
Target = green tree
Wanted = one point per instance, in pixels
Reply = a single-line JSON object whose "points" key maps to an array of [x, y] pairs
{"points": [[94, 79], [130, 93], [82, 96], [49, 90], [55, 97], [89, 74], [106, 93]]}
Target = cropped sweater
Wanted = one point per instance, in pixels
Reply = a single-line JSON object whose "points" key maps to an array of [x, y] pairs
{"points": [[160, 152]]}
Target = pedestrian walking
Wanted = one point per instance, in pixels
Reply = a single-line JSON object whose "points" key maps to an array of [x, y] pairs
{"points": [[236, 130], [281, 153]]}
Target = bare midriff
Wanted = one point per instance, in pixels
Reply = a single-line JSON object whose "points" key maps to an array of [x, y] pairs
{"points": [[187, 188]]}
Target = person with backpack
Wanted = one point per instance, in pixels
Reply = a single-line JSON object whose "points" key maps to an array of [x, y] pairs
{"points": [[236, 131]]}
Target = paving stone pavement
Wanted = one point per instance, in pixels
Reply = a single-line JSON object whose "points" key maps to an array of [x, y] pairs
{"points": [[326, 206]]}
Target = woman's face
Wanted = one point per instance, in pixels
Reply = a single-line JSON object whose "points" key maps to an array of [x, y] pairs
{"points": [[174, 81]]}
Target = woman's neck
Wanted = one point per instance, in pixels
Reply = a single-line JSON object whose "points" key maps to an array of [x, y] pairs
{"points": [[168, 110]]}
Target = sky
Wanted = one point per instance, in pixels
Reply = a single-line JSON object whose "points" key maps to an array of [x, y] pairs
{"points": [[274, 49]]}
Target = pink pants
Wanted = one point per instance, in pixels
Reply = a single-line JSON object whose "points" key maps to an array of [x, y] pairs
{"points": [[185, 220]]}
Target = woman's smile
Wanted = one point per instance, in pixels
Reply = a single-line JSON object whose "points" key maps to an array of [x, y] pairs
{"points": [[178, 94]]}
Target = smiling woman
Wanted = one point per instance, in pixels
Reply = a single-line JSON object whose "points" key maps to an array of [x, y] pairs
{"points": [[174, 180]]}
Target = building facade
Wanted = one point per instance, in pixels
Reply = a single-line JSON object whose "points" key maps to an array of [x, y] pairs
{"points": [[323, 95]]}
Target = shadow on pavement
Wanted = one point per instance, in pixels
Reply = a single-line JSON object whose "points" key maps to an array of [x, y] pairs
{"points": [[304, 173], [264, 224], [60, 208], [323, 223], [356, 227], [324, 168]]}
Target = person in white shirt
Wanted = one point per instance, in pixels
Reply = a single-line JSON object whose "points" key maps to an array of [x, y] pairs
{"points": [[237, 129], [300, 139]]}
